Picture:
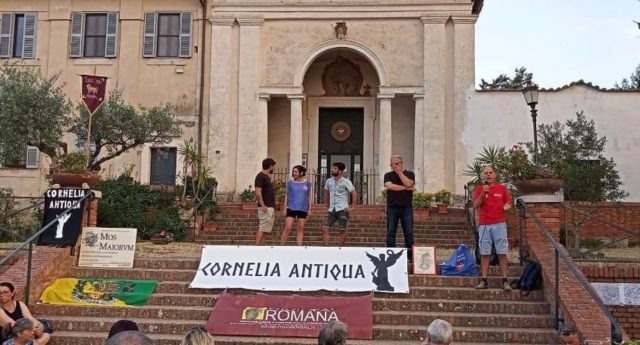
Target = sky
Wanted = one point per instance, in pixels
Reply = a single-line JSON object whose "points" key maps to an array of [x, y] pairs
{"points": [[559, 41]]}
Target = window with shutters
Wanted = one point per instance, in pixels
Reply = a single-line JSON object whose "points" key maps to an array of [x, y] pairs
{"points": [[167, 34], [94, 35], [18, 35], [29, 159]]}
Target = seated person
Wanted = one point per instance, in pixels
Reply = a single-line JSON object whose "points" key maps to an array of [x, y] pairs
{"points": [[198, 336], [568, 335], [21, 333], [12, 310]]}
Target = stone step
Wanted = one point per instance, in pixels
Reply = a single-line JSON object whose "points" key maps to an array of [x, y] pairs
{"points": [[373, 242], [462, 306], [421, 319], [98, 338], [188, 274], [355, 224], [182, 287], [470, 334]]}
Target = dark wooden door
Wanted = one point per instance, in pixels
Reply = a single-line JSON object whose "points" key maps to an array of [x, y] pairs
{"points": [[163, 166]]}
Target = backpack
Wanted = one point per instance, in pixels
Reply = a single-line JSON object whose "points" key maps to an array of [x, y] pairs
{"points": [[530, 279], [461, 263], [493, 258]]}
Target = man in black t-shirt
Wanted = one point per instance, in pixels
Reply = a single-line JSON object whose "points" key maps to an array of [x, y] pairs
{"points": [[400, 185], [266, 197]]}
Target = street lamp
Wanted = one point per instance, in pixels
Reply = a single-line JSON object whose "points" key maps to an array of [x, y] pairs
{"points": [[531, 97]]}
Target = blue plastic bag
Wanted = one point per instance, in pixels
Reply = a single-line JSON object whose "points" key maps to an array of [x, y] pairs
{"points": [[461, 263]]}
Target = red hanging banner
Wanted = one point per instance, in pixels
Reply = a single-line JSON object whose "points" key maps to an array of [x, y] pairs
{"points": [[289, 316], [93, 91]]}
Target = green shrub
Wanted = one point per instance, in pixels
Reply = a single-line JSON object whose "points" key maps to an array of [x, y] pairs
{"points": [[129, 204], [442, 196], [73, 163], [248, 195], [422, 200], [280, 194]]}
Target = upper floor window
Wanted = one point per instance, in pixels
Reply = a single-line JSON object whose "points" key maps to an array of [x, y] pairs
{"points": [[18, 35], [94, 35], [167, 34]]}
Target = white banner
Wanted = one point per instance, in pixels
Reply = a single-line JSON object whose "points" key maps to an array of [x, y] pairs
{"points": [[107, 247], [303, 268]]}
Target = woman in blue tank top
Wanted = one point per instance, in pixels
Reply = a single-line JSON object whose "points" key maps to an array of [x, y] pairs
{"points": [[297, 203]]}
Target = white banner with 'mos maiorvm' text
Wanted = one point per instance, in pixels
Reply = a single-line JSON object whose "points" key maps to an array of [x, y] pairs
{"points": [[303, 268]]}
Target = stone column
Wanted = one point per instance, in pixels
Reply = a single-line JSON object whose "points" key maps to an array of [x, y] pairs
{"points": [[262, 136], [384, 136], [418, 142], [221, 132], [295, 133], [464, 88], [248, 163], [434, 102]]}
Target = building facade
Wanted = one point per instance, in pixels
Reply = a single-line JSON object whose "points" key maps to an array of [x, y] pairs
{"points": [[305, 82]]}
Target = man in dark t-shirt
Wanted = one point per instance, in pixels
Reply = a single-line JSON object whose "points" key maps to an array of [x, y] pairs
{"points": [[266, 198], [400, 185]]}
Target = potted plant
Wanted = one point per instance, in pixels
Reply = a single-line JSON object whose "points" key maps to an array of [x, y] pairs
{"points": [[514, 166], [443, 199], [421, 205], [71, 171], [280, 194], [248, 198]]}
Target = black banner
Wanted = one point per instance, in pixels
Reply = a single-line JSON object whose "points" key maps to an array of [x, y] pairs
{"points": [[66, 230]]}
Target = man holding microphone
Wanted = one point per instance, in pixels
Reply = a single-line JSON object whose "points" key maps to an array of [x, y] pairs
{"points": [[492, 200]]}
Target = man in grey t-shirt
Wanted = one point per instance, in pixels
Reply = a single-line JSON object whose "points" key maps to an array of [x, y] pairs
{"points": [[336, 197]]}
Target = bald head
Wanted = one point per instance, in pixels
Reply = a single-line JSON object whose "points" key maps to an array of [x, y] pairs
{"points": [[130, 338]]}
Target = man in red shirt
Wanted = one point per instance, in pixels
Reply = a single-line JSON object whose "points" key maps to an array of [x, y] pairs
{"points": [[492, 200]]}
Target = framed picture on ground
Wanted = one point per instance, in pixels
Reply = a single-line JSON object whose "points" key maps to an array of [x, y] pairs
{"points": [[424, 260]]}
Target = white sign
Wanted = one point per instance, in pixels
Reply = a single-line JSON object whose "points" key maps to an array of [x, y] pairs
{"points": [[107, 247], [618, 293], [303, 268]]}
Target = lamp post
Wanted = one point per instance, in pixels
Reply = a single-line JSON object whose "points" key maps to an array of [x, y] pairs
{"points": [[531, 97]]}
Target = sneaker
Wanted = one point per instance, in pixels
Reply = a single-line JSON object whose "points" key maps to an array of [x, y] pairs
{"points": [[482, 285], [506, 286]]}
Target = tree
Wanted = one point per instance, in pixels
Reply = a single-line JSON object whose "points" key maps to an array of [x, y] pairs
{"points": [[633, 83], [33, 111], [576, 152], [118, 127], [503, 82]]}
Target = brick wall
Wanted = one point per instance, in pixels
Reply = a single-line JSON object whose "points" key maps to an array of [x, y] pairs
{"points": [[629, 319], [576, 304], [627, 316], [625, 215]]}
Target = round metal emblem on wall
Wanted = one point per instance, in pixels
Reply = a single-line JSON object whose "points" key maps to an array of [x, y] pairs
{"points": [[340, 131]]}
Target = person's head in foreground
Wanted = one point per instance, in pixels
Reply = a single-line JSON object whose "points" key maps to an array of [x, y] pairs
{"points": [[129, 338], [122, 326], [22, 332], [439, 332], [198, 336], [333, 333]]}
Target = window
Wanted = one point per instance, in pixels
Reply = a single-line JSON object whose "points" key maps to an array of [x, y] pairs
{"points": [[29, 159], [18, 35], [94, 35], [167, 34], [163, 166]]}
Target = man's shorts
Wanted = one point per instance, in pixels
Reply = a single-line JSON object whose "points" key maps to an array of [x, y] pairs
{"points": [[266, 219], [342, 217], [296, 214], [493, 234]]}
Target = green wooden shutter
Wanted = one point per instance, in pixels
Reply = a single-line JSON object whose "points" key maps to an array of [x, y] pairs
{"points": [[6, 32], [29, 39], [185, 34], [77, 35], [149, 39], [111, 43]]}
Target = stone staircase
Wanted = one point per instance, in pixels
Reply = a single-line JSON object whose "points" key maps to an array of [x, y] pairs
{"points": [[367, 227], [479, 317], [488, 316]]}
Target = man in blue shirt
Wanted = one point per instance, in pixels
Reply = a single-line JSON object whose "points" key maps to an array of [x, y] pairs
{"points": [[336, 197]]}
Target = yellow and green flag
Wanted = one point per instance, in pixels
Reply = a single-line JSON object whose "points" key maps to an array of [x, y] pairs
{"points": [[96, 291]]}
